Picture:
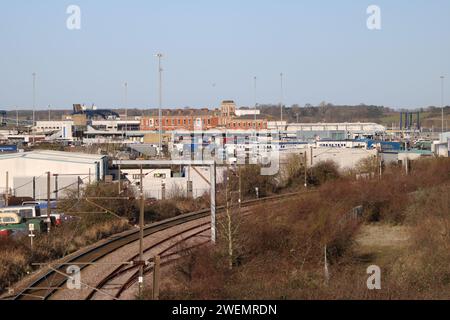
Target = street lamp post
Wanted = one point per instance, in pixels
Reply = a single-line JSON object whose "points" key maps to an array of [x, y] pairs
{"points": [[281, 97], [256, 104], [442, 101], [160, 70], [34, 103], [126, 109]]}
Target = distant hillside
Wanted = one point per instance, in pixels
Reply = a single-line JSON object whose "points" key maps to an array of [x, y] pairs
{"points": [[430, 116]]}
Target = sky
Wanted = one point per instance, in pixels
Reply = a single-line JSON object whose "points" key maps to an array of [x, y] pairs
{"points": [[213, 50]]}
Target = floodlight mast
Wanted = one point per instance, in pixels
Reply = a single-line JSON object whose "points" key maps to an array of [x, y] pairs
{"points": [[160, 70], [34, 104], [442, 102]]}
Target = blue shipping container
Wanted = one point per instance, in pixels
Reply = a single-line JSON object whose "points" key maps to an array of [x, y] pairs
{"points": [[8, 148]]}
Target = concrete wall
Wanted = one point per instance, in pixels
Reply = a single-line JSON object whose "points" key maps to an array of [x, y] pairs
{"points": [[345, 158]]}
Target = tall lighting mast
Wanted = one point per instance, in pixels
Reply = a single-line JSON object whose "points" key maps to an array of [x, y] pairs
{"points": [[442, 101], [256, 103], [281, 96], [34, 102], [126, 108], [160, 70]]}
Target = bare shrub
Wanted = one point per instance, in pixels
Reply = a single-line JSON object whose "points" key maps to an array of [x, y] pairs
{"points": [[322, 172], [283, 246], [293, 172], [423, 268], [161, 210], [251, 178], [277, 243]]}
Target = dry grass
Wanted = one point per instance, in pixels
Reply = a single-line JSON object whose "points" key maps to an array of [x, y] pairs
{"points": [[282, 251], [16, 255], [92, 225]]}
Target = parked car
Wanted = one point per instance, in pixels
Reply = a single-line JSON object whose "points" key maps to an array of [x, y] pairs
{"points": [[12, 223], [27, 212], [5, 233], [58, 217]]}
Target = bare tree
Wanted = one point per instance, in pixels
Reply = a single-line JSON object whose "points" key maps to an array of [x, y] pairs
{"points": [[230, 223]]}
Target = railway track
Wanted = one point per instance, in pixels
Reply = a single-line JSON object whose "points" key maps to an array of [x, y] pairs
{"points": [[129, 275], [48, 284]]}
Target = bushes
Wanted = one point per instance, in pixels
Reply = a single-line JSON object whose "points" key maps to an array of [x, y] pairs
{"points": [[277, 241], [13, 262], [251, 177], [282, 246], [323, 172], [16, 256], [424, 267], [91, 224], [293, 172], [161, 210], [122, 207]]}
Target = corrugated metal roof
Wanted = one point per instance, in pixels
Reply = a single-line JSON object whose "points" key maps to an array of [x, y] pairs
{"points": [[54, 156]]}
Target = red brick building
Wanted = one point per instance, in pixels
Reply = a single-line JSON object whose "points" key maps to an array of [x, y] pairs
{"points": [[246, 123], [171, 123], [205, 120]]}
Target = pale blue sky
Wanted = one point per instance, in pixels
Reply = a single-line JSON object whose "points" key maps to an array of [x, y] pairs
{"points": [[322, 46]]}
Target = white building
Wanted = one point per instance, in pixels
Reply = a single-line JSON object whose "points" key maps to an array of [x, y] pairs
{"points": [[48, 126], [341, 144], [163, 183], [247, 112], [346, 158], [56, 130], [353, 130], [441, 148], [116, 125], [27, 172]]}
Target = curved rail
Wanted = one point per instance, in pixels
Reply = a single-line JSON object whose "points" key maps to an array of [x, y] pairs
{"points": [[46, 285]]}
